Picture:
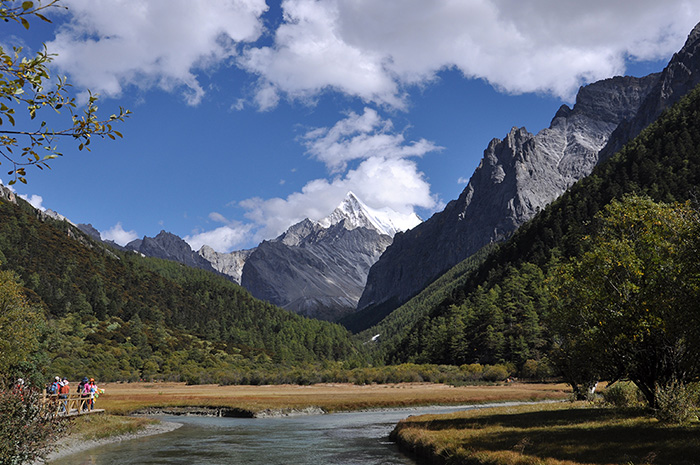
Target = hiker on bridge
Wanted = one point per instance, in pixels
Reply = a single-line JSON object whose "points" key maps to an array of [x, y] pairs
{"points": [[84, 395], [92, 392], [63, 392]]}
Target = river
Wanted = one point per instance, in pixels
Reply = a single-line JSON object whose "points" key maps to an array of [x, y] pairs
{"points": [[339, 438]]}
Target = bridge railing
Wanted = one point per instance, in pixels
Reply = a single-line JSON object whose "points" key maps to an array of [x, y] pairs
{"points": [[68, 404]]}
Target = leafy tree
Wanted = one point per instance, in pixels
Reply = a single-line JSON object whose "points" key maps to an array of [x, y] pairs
{"points": [[18, 334], [23, 89], [28, 429], [628, 305]]}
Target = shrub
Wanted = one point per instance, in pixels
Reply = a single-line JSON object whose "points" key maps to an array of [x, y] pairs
{"points": [[495, 373], [28, 428], [473, 371], [622, 394], [675, 402]]}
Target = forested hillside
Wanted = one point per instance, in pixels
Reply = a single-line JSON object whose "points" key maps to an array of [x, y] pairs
{"points": [[117, 315], [495, 313]]}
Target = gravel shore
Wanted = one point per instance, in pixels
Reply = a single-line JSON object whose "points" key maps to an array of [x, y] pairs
{"points": [[71, 445]]}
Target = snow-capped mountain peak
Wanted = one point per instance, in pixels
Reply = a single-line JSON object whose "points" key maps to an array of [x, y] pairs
{"points": [[358, 215]]}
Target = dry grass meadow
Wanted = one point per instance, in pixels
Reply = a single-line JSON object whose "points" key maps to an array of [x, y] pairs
{"points": [[551, 434], [123, 398]]}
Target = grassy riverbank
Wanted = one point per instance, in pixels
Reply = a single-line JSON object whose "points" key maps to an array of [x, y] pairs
{"points": [[92, 427], [554, 434], [129, 397]]}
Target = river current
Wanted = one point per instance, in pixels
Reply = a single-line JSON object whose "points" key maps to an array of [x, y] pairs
{"points": [[340, 438]]}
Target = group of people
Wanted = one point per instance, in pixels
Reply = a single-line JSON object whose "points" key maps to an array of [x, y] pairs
{"points": [[87, 389]]}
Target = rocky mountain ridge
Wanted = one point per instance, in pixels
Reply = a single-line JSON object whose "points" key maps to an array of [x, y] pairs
{"points": [[319, 269], [321, 275], [316, 268], [522, 173]]}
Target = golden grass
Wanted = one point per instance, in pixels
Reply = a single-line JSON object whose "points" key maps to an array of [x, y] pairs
{"points": [[89, 427], [126, 398], [554, 434]]}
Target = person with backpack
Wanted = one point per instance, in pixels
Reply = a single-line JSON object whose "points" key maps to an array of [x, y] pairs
{"points": [[84, 396], [52, 388], [63, 392], [92, 391]]}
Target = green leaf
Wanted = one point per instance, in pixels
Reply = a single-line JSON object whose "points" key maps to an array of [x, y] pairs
{"points": [[27, 5], [24, 22], [42, 17]]}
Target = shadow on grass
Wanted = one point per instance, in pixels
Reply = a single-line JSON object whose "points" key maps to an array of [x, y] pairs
{"points": [[595, 436], [542, 419]]}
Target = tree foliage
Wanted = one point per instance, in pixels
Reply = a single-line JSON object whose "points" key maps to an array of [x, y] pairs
{"points": [[19, 331], [28, 429], [27, 88], [631, 298], [116, 315], [663, 163]]}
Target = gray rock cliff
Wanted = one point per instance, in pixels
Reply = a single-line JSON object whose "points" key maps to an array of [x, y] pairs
{"points": [[168, 246], [680, 76], [90, 230], [321, 274], [319, 268], [229, 264], [517, 177]]}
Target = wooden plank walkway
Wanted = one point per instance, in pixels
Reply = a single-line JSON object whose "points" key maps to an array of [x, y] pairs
{"points": [[69, 405]]}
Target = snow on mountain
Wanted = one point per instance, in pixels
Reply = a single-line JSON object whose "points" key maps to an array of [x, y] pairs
{"points": [[358, 215]]}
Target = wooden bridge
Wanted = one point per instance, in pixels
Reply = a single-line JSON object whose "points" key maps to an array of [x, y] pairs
{"points": [[69, 405]]}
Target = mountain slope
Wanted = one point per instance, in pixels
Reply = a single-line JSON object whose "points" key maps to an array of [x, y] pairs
{"points": [[318, 269], [493, 312], [522, 173], [117, 315], [168, 246], [517, 177]]}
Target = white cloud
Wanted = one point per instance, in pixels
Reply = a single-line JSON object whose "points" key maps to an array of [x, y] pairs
{"points": [[111, 44], [379, 182], [119, 235], [222, 239], [384, 176], [462, 180], [373, 50], [361, 137], [218, 217], [34, 200]]}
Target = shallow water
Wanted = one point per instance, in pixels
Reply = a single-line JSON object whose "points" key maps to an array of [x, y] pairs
{"points": [[342, 438]]}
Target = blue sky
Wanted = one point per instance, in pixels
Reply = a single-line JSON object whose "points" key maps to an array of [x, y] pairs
{"points": [[250, 116]]}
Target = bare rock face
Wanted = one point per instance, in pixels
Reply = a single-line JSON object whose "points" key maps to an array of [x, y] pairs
{"points": [[319, 269], [169, 246], [522, 173], [321, 276], [518, 176], [90, 230], [677, 79], [229, 264], [7, 195]]}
